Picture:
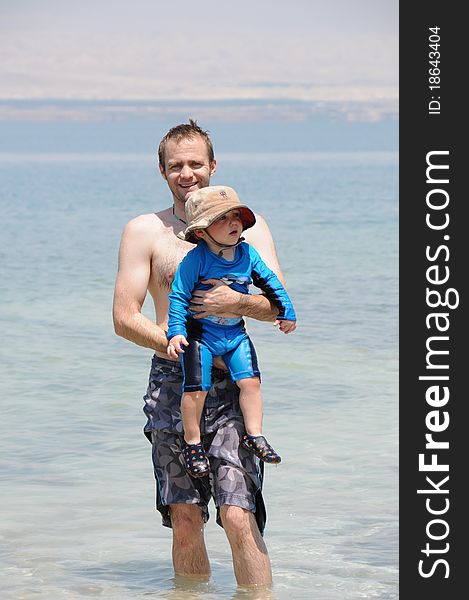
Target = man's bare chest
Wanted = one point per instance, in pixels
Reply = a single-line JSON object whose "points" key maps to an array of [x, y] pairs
{"points": [[165, 262]]}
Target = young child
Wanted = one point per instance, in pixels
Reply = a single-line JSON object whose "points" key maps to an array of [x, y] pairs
{"points": [[215, 220]]}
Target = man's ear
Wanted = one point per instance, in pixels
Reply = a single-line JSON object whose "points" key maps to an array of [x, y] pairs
{"points": [[163, 174], [213, 168], [199, 233]]}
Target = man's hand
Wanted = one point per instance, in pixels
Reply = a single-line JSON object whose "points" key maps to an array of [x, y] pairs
{"points": [[285, 326], [219, 300], [175, 346]]}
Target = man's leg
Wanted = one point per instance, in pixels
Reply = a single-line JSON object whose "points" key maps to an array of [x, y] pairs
{"points": [[250, 557], [181, 500], [189, 552]]}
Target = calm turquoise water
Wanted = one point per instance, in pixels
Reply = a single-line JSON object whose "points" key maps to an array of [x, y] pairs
{"points": [[78, 517]]}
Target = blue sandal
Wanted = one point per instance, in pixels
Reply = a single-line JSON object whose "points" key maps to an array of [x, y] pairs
{"points": [[195, 460], [261, 448]]}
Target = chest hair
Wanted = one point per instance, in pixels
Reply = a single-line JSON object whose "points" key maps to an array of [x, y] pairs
{"points": [[165, 265]]}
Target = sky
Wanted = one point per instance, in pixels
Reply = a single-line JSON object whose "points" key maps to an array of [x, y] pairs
{"points": [[341, 53]]}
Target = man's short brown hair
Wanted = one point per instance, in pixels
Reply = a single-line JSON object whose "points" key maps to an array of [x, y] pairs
{"points": [[185, 131]]}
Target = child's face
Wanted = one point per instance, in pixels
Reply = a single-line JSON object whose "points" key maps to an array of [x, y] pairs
{"points": [[227, 229]]}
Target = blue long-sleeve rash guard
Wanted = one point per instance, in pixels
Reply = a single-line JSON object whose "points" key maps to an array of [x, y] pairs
{"points": [[246, 268]]}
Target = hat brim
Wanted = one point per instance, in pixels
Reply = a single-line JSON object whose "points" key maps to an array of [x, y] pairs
{"points": [[248, 219]]}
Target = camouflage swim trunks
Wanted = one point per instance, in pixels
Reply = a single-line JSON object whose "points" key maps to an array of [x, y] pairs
{"points": [[236, 475]]}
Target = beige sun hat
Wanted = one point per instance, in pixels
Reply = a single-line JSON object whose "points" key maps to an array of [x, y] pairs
{"points": [[205, 206]]}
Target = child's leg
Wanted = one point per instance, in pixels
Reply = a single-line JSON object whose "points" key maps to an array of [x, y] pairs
{"points": [[250, 402], [196, 365], [242, 363], [192, 404]]}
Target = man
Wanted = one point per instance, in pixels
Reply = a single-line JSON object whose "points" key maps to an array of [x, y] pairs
{"points": [[149, 254]]}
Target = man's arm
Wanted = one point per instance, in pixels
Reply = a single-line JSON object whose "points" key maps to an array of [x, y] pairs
{"points": [[221, 298], [131, 287]]}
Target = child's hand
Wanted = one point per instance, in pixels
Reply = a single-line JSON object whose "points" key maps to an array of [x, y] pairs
{"points": [[285, 326], [175, 346]]}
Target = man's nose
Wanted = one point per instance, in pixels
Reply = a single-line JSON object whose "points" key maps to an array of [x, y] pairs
{"points": [[186, 172]]}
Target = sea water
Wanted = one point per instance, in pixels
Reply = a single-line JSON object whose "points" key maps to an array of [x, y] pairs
{"points": [[78, 516]]}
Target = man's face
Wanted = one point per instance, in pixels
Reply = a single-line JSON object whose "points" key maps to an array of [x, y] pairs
{"points": [[187, 167]]}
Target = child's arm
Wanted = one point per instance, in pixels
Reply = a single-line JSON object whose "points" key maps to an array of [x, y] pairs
{"points": [[265, 279], [181, 291]]}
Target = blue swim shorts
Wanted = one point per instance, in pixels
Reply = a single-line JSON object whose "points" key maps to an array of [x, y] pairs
{"points": [[207, 340]]}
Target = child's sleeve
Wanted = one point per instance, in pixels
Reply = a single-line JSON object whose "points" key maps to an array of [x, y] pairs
{"points": [[184, 282], [266, 280]]}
